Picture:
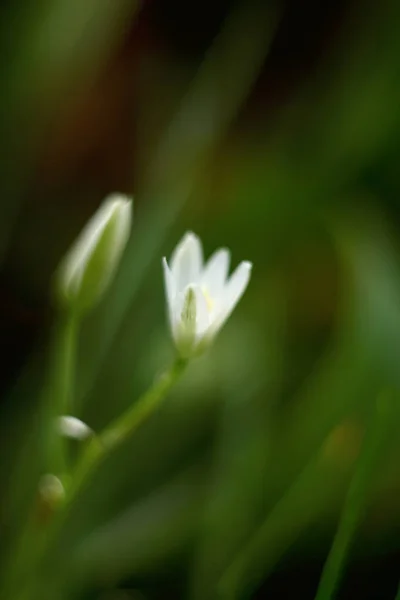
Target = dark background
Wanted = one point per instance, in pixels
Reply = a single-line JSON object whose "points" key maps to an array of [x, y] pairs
{"points": [[270, 128]]}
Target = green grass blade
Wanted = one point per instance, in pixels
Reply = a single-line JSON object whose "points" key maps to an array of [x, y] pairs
{"points": [[355, 501]]}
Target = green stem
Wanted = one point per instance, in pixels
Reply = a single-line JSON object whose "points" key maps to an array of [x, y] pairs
{"points": [[57, 401], [398, 593], [123, 427], [100, 447], [61, 392], [355, 502], [66, 372]]}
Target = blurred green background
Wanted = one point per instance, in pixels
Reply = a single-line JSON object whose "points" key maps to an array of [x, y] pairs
{"points": [[272, 128]]}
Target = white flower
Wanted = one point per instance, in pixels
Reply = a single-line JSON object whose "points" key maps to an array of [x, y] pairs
{"points": [[90, 264], [73, 428], [200, 297]]}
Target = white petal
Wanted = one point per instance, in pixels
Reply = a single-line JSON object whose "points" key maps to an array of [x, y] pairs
{"points": [[215, 272], [122, 215], [79, 253], [73, 428], [76, 260], [186, 262], [123, 207], [234, 290], [170, 292]]}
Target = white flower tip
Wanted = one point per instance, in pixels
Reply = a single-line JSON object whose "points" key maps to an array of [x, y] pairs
{"points": [[124, 206], [189, 241], [74, 428], [120, 200], [190, 237], [247, 265]]}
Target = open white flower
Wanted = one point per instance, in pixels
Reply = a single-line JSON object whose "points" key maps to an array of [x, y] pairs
{"points": [[200, 297], [90, 264]]}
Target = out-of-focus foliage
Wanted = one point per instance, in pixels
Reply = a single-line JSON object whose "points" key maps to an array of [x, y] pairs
{"points": [[273, 129]]}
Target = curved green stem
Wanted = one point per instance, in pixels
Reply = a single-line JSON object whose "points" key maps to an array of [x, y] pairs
{"points": [[100, 446], [60, 400], [66, 372], [123, 427]]}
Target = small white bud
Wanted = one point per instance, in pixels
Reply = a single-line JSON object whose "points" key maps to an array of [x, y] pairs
{"points": [[51, 489], [74, 428], [90, 265]]}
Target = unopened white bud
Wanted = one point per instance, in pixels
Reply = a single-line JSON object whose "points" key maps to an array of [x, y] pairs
{"points": [[90, 265], [74, 428]]}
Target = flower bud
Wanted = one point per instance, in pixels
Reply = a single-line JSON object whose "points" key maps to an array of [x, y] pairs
{"points": [[73, 428], [51, 489], [90, 265], [51, 495]]}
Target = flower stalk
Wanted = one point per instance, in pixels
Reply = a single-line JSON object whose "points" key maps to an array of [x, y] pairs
{"points": [[123, 427], [61, 392], [99, 447]]}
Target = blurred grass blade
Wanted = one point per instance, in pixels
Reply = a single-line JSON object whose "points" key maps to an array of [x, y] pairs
{"points": [[339, 388], [301, 506], [357, 498], [234, 504], [149, 533], [364, 358]]}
